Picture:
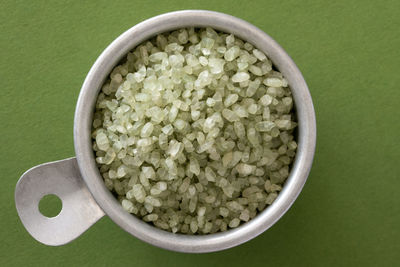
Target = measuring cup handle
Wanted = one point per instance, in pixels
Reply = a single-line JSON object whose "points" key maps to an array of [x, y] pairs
{"points": [[79, 209]]}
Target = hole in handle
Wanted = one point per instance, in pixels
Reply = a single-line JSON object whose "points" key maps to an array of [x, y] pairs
{"points": [[50, 205]]}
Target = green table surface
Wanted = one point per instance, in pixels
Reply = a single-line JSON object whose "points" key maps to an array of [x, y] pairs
{"points": [[349, 211]]}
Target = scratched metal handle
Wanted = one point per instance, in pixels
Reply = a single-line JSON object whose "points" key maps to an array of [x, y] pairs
{"points": [[79, 209]]}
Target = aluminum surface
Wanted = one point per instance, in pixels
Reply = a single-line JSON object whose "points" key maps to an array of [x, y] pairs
{"points": [[79, 210]]}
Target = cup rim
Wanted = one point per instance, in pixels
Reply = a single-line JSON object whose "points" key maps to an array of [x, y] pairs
{"points": [[84, 114]]}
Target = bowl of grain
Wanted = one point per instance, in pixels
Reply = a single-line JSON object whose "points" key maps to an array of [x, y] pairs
{"points": [[194, 131]]}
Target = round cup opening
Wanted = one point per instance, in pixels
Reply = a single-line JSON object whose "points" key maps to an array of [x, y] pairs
{"points": [[102, 68]]}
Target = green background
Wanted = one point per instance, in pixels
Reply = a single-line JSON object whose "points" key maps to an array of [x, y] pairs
{"points": [[349, 211]]}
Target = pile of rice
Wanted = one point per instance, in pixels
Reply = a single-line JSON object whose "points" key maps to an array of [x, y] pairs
{"points": [[194, 131]]}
